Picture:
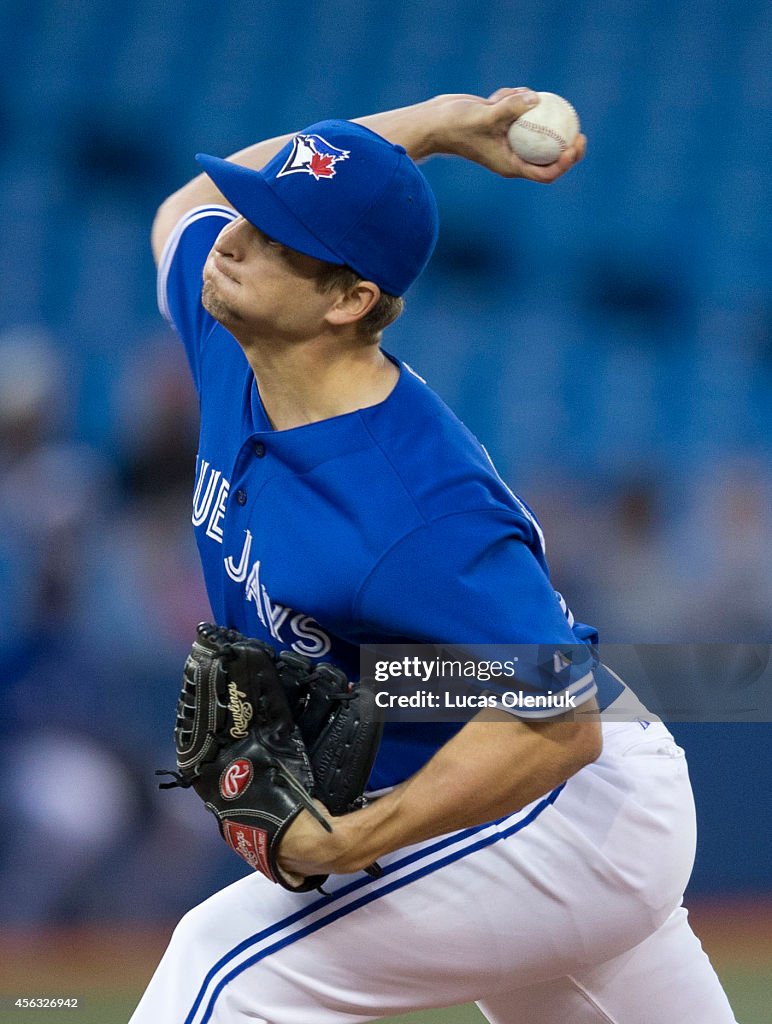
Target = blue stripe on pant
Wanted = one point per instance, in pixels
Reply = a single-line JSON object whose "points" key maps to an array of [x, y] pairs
{"points": [[368, 897]]}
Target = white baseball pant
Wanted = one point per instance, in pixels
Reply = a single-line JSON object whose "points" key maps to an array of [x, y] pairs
{"points": [[566, 912]]}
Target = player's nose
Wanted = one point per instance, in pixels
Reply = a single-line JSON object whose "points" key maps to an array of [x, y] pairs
{"points": [[232, 239]]}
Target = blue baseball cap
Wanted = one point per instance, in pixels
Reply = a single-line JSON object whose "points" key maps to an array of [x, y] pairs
{"points": [[343, 194]]}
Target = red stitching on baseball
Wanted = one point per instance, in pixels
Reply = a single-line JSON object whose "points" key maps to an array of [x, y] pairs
{"points": [[542, 129]]}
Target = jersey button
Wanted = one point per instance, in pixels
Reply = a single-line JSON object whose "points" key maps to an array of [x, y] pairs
{"points": [[259, 449], [241, 497]]}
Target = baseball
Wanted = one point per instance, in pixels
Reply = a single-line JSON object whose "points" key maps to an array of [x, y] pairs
{"points": [[541, 135]]}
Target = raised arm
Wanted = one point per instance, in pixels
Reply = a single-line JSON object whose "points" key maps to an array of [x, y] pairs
{"points": [[462, 125]]}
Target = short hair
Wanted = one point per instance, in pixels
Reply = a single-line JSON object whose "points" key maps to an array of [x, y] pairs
{"points": [[384, 312]]}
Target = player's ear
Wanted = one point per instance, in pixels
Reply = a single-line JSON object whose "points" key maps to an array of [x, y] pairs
{"points": [[353, 304]]}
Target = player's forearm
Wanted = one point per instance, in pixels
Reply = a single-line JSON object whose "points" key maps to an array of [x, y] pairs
{"points": [[417, 128], [432, 126], [420, 128], [492, 767]]}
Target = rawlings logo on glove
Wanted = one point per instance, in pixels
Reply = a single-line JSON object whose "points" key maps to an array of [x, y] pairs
{"points": [[235, 779], [241, 711]]}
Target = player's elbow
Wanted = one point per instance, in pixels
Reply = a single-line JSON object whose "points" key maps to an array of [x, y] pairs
{"points": [[158, 234], [592, 744], [166, 217], [577, 738], [577, 735], [586, 745]]}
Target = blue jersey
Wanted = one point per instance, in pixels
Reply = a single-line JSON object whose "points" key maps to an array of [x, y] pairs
{"points": [[384, 525]]}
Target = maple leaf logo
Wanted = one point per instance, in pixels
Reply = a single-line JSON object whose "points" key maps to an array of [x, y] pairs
{"points": [[321, 166], [311, 154]]}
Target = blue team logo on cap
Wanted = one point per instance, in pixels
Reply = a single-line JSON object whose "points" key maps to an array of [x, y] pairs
{"points": [[311, 154]]}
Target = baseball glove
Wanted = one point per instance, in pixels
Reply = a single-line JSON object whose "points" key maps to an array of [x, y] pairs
{"points": [[259, 736]]}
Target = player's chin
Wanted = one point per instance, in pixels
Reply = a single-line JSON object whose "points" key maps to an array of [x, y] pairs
{"points": [[215, 305], [209, 296]]}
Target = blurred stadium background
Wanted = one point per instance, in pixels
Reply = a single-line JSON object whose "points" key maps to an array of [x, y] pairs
{"points": [[608, 339]]}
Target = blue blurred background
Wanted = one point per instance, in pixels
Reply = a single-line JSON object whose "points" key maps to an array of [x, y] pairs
{"points": [[609, 339]]}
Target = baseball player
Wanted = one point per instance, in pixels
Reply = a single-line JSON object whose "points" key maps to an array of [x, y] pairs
{"points": [[533, 862]]}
